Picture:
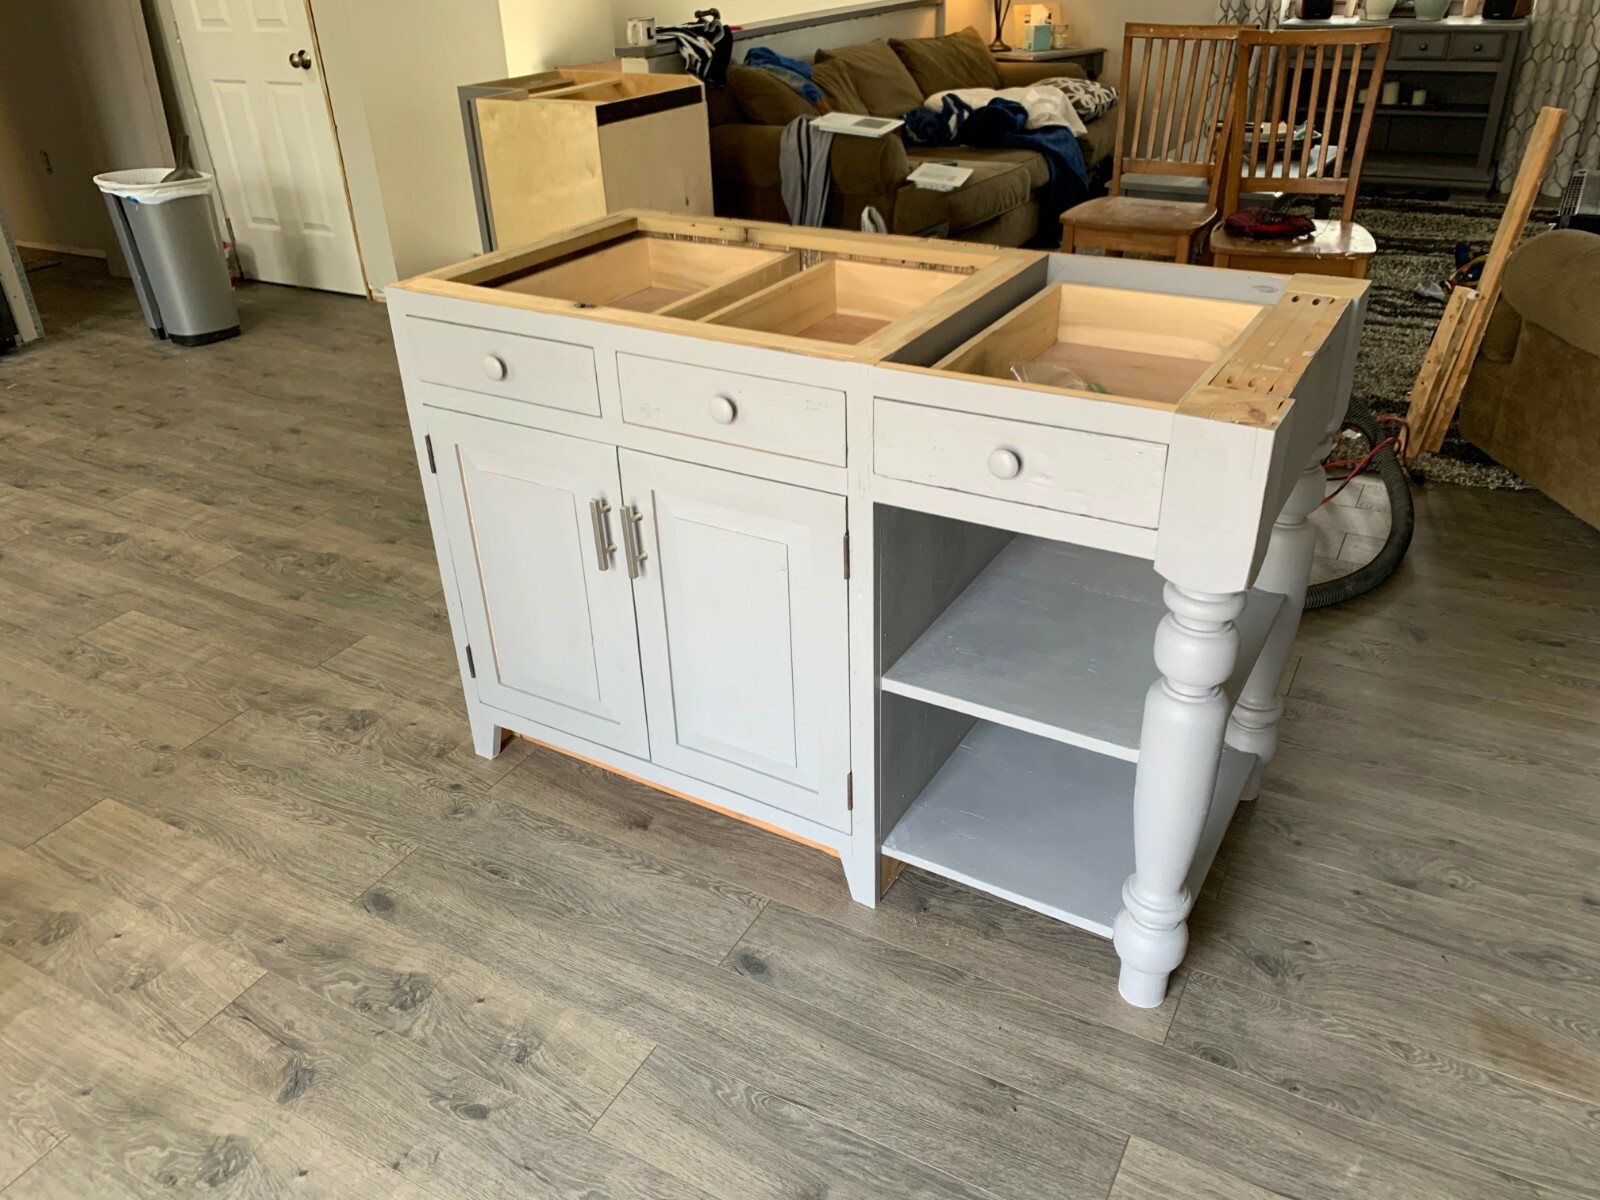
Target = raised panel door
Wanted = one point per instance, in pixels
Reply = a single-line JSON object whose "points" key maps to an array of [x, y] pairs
{"points": [[548, 607], [743, 633]]}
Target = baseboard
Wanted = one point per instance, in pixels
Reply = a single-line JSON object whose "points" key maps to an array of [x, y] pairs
{"points": [[53, 248]]}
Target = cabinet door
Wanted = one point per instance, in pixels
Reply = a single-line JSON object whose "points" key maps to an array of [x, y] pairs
{"points": [[743, 633], [549, 614]]}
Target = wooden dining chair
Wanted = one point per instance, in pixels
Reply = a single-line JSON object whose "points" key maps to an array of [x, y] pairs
{"points": [[1299, 127], [1177, 108]]}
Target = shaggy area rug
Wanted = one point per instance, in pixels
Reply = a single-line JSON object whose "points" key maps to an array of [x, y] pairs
{"points": [[1416, 243]]}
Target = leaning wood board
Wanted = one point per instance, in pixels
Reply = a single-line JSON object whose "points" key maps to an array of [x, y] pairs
{"points": [[781, 520], [1437, 392]]}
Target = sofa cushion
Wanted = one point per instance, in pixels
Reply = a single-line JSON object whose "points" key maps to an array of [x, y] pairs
{"points": [[838, 88], [998, 184], [880, 78], [766, 99], [938, 64], [1099, 140], [722, 108], [1031, 163]]}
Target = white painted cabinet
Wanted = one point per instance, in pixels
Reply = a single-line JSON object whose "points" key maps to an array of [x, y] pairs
{"points": [[548, 610], [775, 520], [744, 634]]}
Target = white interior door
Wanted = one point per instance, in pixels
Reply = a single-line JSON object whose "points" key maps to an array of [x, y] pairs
{"points": [[549, 612], [744, 633], [258, 84]]}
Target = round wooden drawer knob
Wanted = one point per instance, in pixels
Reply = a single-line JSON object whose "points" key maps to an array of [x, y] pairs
{"points": [[1004, 464], [723, 410], [494, 367]]}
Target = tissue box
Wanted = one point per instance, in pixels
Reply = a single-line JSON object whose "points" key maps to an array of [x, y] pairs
{"points": [[1036, 36]]}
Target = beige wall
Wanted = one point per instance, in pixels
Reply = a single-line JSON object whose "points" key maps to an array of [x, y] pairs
{"points": [[1093, 22], [78, 96], [393, 67], [543, 34]]}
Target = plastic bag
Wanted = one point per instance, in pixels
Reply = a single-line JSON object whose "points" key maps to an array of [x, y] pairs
{"points": [[1054, 375], [143, 185]]}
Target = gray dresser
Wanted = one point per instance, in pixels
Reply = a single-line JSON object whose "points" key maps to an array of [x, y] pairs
{"points": [[1465, 64]]}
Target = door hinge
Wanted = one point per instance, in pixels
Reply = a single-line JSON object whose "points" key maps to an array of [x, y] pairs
{"points": [[847, 554], [427, 440], [472, 668], [850, 792]]}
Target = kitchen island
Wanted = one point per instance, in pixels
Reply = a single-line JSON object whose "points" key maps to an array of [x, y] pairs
{"points": [[984, 561]]}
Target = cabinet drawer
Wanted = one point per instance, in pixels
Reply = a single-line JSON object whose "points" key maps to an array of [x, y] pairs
{"points": [[775, 415], [1092, 474], [534, 370], [1478, 47], [1421, 45]]}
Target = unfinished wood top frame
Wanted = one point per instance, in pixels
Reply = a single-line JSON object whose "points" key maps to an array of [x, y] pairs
{"points": [[915, 285], [1226, 359]]}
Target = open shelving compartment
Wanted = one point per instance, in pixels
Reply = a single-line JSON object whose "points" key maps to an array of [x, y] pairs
{"points": [[1014, 668], [1012, 698], [824, 292]]}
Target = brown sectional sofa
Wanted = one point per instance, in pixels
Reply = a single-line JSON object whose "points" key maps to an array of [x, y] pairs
{"points": [[999, 205]]}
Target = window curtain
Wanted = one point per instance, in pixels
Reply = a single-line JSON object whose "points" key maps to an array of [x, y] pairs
{"points": [[1559, 66], [1261, 13]]}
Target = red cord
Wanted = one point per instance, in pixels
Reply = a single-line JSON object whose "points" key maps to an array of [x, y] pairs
{"points": [[1361, 465]]}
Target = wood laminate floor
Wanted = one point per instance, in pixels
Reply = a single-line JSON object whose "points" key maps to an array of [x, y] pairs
{"points": [[268, 928]]}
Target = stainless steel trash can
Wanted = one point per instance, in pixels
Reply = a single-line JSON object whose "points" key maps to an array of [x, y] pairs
{"points": [[169, 236]]}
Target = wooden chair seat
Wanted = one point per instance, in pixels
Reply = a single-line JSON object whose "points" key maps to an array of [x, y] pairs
{"points": [[1336, 248], [1135, 214]]}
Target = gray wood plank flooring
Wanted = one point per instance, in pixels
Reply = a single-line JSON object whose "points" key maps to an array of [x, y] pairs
{"points": [[269, 928]]}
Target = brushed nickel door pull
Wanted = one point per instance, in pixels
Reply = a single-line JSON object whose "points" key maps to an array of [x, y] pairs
{"points": [[604, 547], [633, 541]]}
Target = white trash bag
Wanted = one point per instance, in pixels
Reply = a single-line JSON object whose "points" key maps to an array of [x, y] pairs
{"points": [[143, 185]]}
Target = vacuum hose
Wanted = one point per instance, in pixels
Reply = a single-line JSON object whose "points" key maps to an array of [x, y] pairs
{"points": [[1402, 520]]}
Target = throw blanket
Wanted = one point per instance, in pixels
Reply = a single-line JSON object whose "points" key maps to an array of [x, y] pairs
{"points": [[803, 177], [1006, 124], [791, 71], [705, 43], [1044, 105]]}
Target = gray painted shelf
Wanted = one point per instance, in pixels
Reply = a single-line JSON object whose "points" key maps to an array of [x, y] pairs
{"points": [[1057, 640], [1044, 825]]}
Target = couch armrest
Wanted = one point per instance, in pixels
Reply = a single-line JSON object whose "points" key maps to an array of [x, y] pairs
{"points": [[1021, 74], [868, 166], [747, 156]]}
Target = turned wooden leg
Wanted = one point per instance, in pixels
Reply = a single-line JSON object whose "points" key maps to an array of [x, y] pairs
{"points": [[1068, 237], [1286, 570], [1185, 713]]}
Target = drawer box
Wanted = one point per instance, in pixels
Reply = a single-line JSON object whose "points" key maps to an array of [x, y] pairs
{"points": [[1421, 45], [774, 415], [1477, 47], [534, 370], [1091, 474]]}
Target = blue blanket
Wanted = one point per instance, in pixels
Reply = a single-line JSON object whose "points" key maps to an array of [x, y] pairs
{"points": [[792, 71], [1004, 124]]}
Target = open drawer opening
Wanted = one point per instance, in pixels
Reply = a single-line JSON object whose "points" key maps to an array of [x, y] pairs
{"points": [[838, 301], [658, 275], [1078, 338]]}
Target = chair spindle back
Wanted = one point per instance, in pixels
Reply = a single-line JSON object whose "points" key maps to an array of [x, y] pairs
{"points": [[1299, 123]]}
